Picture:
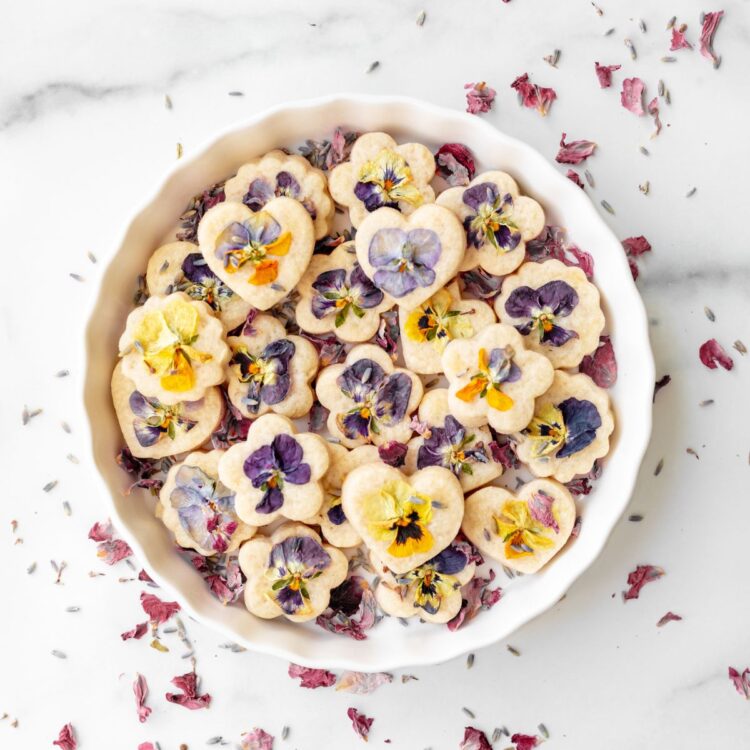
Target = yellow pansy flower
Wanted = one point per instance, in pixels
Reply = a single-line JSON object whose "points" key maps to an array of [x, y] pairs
{"points": [[386, 180], [434, 321], [522, 534]]}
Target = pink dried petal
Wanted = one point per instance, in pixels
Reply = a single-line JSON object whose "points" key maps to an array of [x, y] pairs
{"points": [[503, 451], [710, 22], [137, 632], [574, 152], [639, 577], [157, 610], [145, 577], [601, 366], [582, 485], [312, 678], [474, 739], [352, 611], [636, 246], [257, 740], [632, 95], [540, 509], [363, 683], [360, 723], [668, 617], [101, 531], [712, 354], [392, 453], [479, 98], [583, 260], [741, 682], [66, 739], [113, 551], [573, 176], [455, 164], [653, 109], [678, 38], [189, 697], [524, 741], [146, 746], [421, 428], [533, 96], [604, 74], [476, 596], [140, 690]]}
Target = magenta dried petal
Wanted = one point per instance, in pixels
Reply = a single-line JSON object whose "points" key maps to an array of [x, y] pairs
{"points": [[533, 96], [601, 366], [157, 610], [476, 595], [639, 577], [137, 632], [710, 22], [524, 741], [66, 739], [474, 739], [573, 176], [668, 617], [678, 38], [392, 453], [653, 109], [257, 739], [311, 678], [712, 355], [189, 697], [101, 531], [741, 681], [455, 163], [632, 95], [140, 690], [479, 97], [574, 152], [604, 74], [360, 723]]}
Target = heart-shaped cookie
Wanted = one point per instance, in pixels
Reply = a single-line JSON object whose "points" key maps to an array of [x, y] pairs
{"points": [[404, 520], [523, 530], [260, 255], [410, 257]]}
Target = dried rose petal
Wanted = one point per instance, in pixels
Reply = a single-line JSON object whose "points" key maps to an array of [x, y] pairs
{"points": [[137, 632], [574, 152], [741, 682], [318, 417], [479, 284], [639, 577], [573, 176], [140, 690], [653, 109], [474, 739], [312, 678], [710, 22], [503, 450], [479, 98], [66, 739], [533, 96], [101, 531], [146, 746], [678, 38], [360, 723], [635, 247], [668, 617], [476, 596], [113, 551], [388, 334], [222, 575], [157, 610], [352, 610], [258, 739], [632, 95], [189, 697], [455, 164], [712, 354], [392, 453], [582, 485], [363, 683], [604, 74], [551, 243], [601, 366], [524, 741], [145, 577]]}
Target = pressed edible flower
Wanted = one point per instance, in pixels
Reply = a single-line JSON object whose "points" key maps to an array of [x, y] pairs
{"points": [[435, 580], [154, 420], [337, 295], [392, 453], [533, 96], [574, 152], [404, 260], [493, 370], [491, 220], [479, 97], [435, 322], [542, 308], [564, 429], [451, 447], [386, 180], [266, 374], [520, 531], [199, 282]]}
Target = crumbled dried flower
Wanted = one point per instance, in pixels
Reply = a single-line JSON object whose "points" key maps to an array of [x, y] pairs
{"points": [[574, 152], [533, 96], [662, 382], [479, 97], [360, 723], [668, 617], [189, 696], [573, 176], [635, 247], [311, 678], [257, 739], [639, 577], [476, 596], [524, 741], [653, 110], [352, 610]]}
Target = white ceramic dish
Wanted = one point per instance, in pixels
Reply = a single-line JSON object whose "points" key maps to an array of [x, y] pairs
{"points": [[389, 644]]}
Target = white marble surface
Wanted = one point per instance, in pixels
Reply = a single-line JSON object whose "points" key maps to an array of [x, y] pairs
{"points": [[84, 134]]}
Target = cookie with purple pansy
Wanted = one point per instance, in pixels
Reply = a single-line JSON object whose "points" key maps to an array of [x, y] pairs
{"points": [[370, 400], [379, 173], [524, 529], [276, 472], [180, 267], [199, 509], [270, 370], [446, 442], [173, 348], [336, 296], [570, 428], [493, 378], [428, 328], [260, 255], [279, 174], [431, 591], [497, 219], [153, 429], [410, 257], [556, 309], [290, 573]]}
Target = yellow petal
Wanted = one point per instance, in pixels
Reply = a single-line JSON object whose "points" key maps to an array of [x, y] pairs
{"points": [[281, 245], [412, 328], [266, 272], [499, 400], [182, 318], [471, 390], [152, 332], [181, 377]]}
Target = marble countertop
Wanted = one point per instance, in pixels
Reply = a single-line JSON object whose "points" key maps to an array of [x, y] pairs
{"points": [[85, 133]]}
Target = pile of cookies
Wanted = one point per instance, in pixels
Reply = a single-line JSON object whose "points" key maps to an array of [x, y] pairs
{"points": [[300, 507]]}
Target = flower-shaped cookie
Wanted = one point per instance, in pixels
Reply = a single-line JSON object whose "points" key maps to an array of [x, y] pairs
{"points": [[410, 257], [464, 451], [270, 371], [404, 520], [277, 174], [260, 255], [173, 348], [497, 219], [570, 429], [493, 378], [382, 173], [153, 429], [198, 509], [290, 573], [431, 591], [556, 308], [180, 267], [524, 530], [336, 295], [275, 472], [370, 400], [427, 328]]}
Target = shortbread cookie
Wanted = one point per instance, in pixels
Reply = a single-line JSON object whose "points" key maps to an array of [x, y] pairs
{"points": [[290, 573], [498, 220], [199, 510], [154, 430], [276, 174], [260, 255], [382, 173], [180, 267], [493, 378], [336, 295], [427, 328], [404, 520], [523, 530], [369, 399], [431, 591], [270, 371], [276, 472], [570, 429], [464, 451], [556, 308], [410, 257], [173, 348]]}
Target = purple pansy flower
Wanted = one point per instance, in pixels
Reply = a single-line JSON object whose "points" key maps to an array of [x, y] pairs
{"points": [[153, 419], [260, 191], [451, 447], [291, 564], [491, 221], [247, 240], [271, 466], [335, 512], [200, 282], [205, 508], [543, 307], [333, 294], [404, 260], [380, 399], [564, 429], [267, 375]]}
